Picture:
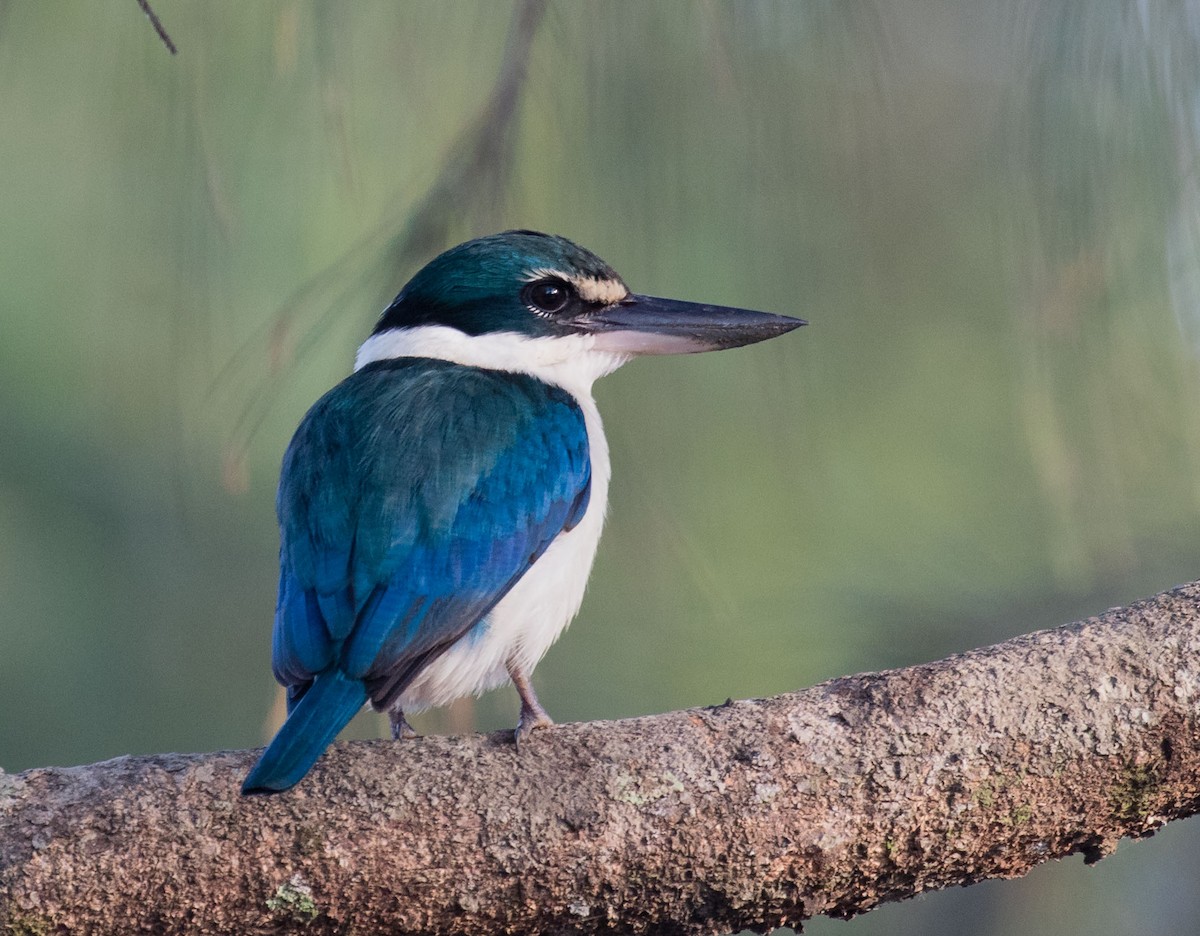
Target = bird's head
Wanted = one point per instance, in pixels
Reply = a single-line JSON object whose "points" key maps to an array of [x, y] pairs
{"points": [[540, 304]]}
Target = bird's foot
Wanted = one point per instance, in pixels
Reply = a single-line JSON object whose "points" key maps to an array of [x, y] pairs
{"points": [[401, 729], [532, 718]]}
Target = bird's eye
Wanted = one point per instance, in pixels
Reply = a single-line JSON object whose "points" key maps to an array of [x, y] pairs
{"points": [[549, 296]]}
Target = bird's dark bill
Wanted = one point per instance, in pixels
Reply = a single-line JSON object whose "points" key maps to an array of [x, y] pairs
{"points": [[648, 325]]}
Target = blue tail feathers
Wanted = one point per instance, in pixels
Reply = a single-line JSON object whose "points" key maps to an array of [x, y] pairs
{"points": [[327, 707]]}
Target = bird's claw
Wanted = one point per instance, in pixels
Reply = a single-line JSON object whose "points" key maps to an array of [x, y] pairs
{"points": [[401, 729], [528, 723]]}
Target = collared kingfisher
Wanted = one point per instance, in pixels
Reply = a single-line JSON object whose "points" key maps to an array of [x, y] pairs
{"points": [[440, 508]]}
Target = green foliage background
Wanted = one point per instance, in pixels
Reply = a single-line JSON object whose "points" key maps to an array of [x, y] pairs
{"points": [[987, 211]]}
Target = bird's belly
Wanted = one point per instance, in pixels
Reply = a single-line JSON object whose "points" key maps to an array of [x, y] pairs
{"points": [[521, 627], [537, 609]]}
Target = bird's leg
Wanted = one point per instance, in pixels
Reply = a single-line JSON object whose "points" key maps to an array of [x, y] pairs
{"points": [[401, 729], [532, 714]]}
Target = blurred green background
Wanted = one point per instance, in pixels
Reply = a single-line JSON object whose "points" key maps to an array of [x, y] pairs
{"points": [[988, 211]]}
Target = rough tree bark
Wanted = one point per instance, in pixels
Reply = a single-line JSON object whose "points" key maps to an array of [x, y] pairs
{"points": [[750, 814]]}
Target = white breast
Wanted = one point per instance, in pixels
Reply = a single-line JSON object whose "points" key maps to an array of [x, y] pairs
{"points": [[537, 609], [540, 606]]}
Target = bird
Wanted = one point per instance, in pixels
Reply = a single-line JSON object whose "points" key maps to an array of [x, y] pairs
{"points": [[440, 508]]}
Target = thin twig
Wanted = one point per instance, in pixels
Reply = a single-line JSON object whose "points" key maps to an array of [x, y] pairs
{"points": [[158, 26]]}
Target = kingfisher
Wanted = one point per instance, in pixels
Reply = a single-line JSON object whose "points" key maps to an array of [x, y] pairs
{"points": [[440, 508]]}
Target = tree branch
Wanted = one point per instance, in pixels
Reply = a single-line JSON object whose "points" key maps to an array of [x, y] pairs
{"points": [[750, 814]]}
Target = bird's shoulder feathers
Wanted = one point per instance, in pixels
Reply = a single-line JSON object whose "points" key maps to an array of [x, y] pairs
{"points": [[413, 495]]}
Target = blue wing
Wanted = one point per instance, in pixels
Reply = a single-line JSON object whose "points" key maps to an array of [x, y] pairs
{"points": [[412, 497]]}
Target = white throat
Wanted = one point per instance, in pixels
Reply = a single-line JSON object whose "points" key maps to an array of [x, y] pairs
{"points": [[570, 361]]}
